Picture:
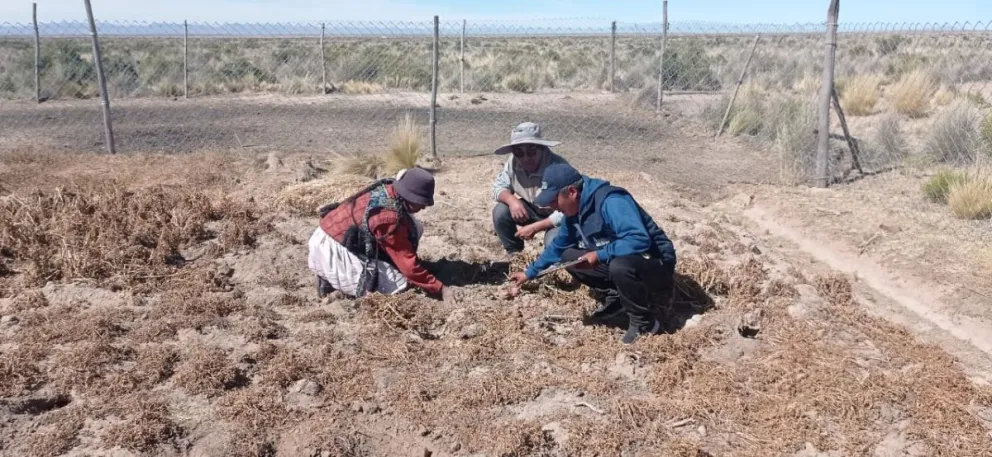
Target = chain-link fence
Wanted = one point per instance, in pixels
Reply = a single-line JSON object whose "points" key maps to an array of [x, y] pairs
{"points": [[909, 92]]}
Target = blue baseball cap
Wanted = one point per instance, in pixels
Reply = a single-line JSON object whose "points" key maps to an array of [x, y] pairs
{"points": [[557, 176]]}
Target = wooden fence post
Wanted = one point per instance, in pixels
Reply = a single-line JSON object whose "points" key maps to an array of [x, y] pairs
{"points": [[823, 141], [661, 58], [37, 53], [462, 59], [435, 70], [613, 56], [740, 81], [323, 63], [185, 60], [104, 97]]}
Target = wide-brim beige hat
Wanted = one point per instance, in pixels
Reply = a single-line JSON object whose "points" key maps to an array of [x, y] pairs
{"points": [[525, 133]]}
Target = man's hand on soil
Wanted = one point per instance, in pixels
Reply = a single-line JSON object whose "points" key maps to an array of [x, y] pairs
{"points": [[518, 278]]}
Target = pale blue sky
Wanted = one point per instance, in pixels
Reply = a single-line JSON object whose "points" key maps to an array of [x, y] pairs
{"points": [[723, 11]]}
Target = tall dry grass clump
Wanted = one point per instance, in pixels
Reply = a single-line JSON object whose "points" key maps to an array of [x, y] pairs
{"points": [[861, 95], [404, 146], [889, 137], [746, 114], [971, 198], [912, 93], [955, 136]]}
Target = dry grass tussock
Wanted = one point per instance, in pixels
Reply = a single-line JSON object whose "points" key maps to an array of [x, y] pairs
{"points": [[954, 136], [860, 95], [205, 370], [361, 88], [937, 187], [404, 146], [971, 198], [108, 233], [146, 425], [912, 93]]}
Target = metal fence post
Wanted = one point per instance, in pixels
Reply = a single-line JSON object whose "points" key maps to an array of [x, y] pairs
{"points": [[435, 69], [462, 58], [37, 53], [104, 97], [323, 62], [185, 60], [823, 140], [613, 56], [661, 58]]}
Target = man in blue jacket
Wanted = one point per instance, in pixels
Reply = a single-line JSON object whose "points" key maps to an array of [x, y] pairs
{"points": [[624, 253]]}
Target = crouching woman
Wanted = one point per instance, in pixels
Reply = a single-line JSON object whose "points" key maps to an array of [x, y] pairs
{"points": [[368, 242]]}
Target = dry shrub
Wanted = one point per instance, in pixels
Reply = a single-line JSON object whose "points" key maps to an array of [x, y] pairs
{"points": [[937, 187], [146, 425], [155, 363], [305, 199], [945, 95], [889, 137], [361, 88], [746, 278], [250, 443], [405, 311], [82, 366], [835, 288], [256, 408], [242, 224], [30, 300], [911, 94], [972, 198], [66, 324], [206, 370], [746, 116], [260, 324], [861, 95], [954, 136], [361, 164], [104, 231], [404, 146], [59, 435], [713, 279], [517, 82], [19, 370], [196, 306], [287, 366], [780, 288]]}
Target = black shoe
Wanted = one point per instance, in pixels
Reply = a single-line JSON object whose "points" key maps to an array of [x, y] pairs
{"points": [[634, 332], [324, 288], [611, 304]]}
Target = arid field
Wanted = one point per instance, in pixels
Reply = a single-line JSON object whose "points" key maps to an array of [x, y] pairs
{"points": [[158, 303]]}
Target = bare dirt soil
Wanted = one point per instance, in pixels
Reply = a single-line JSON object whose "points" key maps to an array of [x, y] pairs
{"points": [[597, 130], [169, 312]]}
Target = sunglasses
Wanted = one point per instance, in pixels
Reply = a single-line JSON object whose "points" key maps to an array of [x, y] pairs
{"points": [[528, 151]]}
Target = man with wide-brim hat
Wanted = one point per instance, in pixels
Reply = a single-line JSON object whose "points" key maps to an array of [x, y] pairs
{"points": [[515, 217], [368, 242]]}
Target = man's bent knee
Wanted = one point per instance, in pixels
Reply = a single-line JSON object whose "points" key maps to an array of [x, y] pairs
{"points": [[622, 266]]}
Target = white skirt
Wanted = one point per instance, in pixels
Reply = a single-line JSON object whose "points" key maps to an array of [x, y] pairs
{"points": [[337, 265]]}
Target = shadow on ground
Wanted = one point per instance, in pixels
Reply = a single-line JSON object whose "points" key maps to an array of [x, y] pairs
{"points": [[459, 273], [690, 300]]}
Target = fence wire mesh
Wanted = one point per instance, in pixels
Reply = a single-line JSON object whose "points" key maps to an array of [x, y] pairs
{"points": [[911, 92]]}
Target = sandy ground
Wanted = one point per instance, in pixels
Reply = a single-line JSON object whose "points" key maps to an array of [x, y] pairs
{"points": [[227, 351], [597, 130]]}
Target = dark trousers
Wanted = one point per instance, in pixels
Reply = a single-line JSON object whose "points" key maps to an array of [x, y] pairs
{"points": [[643, 286], [506, 227]]}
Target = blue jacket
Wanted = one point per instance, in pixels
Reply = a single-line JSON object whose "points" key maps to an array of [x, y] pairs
{"points": [[612, 223]]}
